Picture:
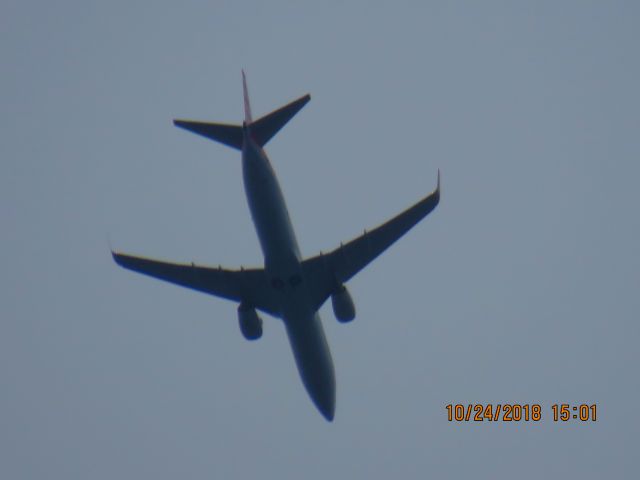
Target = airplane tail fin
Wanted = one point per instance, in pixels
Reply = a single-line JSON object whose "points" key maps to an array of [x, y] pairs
{"points": [[261, 131], [245, 95]]}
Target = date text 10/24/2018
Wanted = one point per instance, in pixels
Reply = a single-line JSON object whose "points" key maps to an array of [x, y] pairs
{"points": [[519, 412]]}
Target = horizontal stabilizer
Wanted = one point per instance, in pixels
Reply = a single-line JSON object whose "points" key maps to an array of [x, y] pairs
{"points": [[230, 135], [263, 129]]}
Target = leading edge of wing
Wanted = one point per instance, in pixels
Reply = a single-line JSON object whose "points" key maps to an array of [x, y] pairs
{"points": [[249, 286], [326, 272]]}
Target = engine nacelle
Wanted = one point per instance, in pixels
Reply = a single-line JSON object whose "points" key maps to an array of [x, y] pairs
{"points": [[250, 322], [343, 307]]}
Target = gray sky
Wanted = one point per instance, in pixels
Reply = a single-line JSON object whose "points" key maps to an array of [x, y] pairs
{"points": [[521, 287]]}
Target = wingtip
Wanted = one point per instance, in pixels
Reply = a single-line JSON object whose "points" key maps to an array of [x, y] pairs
{"points": [[184, 124], [181, 123]]}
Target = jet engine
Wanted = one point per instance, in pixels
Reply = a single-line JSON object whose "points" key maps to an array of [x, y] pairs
{"points": [[250, 322], [343, 307]]}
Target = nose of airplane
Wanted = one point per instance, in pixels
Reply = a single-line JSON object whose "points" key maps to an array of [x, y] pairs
{"points": [[325, 401], [314, 364]]}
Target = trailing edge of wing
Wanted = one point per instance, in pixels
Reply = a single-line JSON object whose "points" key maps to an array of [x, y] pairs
{"points": [[326, 272], [248, 286]]}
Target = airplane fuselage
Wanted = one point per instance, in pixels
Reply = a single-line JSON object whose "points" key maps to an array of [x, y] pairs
{"points": [[283, 266]]}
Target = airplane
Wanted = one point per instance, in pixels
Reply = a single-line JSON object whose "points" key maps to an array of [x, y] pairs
{"points": [[288, 287]]}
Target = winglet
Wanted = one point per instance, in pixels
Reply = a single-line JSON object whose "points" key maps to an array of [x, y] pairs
{"points": [[436, 193], [111, 249], [245, 94]]}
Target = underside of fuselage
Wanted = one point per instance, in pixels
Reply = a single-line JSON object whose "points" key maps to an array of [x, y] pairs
{"points": [[282, 264], [268, 210], [313, 359]]}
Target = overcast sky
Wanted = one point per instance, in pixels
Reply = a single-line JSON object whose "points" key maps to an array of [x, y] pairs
{"points": [[521, 287]]}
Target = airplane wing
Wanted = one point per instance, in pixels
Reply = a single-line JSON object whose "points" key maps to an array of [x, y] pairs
{"points": [[326, 272], [249, 286]]}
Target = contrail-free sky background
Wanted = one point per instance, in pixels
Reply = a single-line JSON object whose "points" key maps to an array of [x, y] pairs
{"points": [[522, 287]]}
